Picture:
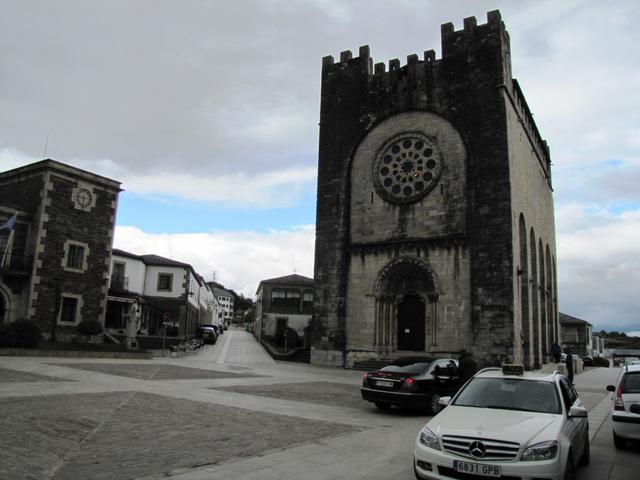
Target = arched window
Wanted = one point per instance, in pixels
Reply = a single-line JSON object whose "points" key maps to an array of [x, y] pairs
{"points": [[535, 315], [524, 295]]}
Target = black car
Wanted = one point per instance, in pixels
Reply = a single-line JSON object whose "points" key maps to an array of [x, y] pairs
{"points": [[416, 382], [207, 334], [216, 328]]}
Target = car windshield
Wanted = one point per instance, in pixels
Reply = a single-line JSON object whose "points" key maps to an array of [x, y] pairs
{"points": [[510, 394], [413, 368], [630, 383]]}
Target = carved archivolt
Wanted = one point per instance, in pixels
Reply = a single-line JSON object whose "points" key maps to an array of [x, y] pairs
{"points": [[406, 276], [401, 277]]}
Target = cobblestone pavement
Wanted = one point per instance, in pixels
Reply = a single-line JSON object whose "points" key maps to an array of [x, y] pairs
{"points": [[7, 375], [133, 434], [157, 371], [220, 414], [325, 393]]}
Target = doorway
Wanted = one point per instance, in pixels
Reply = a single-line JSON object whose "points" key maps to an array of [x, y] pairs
{"points": [[411, 323]]}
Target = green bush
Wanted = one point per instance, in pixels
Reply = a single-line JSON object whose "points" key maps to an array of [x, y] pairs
{"points": [[600, 362], [89, 327], [26, 333], [7, 336]]}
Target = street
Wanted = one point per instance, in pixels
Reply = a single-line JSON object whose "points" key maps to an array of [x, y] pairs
{"points": [[225, 412]]}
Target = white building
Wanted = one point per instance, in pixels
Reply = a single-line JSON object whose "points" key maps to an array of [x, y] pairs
{"points": [[159, 292], [225, 301]]}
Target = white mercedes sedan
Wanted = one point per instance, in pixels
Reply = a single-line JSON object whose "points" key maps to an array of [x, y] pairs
{"points": [[508, 424]]}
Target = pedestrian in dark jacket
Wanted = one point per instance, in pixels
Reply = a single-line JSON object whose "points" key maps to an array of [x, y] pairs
{"points": [[569, 363], [467, 365], [556, 352]]}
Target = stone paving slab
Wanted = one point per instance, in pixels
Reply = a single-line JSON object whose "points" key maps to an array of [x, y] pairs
{"points": [[325, 393], [8, 375], [153, 371], [133, 435]]}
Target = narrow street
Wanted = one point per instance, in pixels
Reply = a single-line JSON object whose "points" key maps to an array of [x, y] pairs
{"points": [[227, 411]]}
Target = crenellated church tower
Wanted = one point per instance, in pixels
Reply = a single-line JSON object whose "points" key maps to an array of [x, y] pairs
{"points": [[435, 224]]}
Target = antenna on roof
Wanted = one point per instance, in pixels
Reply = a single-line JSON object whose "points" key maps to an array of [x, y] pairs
{"points": [[295, 268], [46, 144]]}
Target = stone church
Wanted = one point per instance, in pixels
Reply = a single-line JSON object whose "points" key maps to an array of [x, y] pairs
{"points": [[435, 221]]}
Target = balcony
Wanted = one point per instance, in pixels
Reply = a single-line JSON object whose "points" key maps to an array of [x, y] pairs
{"points": [[119, 283], [19, 262]]}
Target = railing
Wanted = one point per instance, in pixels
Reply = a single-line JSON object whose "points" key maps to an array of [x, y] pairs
{"points": [[119, 283], [19, 261]]}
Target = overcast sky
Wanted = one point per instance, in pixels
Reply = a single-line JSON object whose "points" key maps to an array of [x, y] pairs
{"points": [[207, 112]]}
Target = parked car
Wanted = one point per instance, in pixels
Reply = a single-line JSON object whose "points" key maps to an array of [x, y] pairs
{"points": [[416, 382], [506, 423], [587, 361], [215, 326], [625, 414], [207, 334]]}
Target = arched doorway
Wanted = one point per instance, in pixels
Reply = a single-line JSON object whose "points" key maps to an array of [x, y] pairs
{"points": [[406, 306], [411, 323]]}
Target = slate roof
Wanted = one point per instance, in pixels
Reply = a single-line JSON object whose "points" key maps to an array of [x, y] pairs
{"points": [[293, 279], [569, 320], [155, 260]]}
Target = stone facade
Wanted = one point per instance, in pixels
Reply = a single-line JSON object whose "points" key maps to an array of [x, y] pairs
{"points": [[435, 226], [60, 262]]}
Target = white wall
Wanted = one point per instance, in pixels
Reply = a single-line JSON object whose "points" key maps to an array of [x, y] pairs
{"points": [[151, 281], [134, 270]]}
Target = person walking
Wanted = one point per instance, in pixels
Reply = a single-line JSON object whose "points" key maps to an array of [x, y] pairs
{"points": [[556, 352], [569, 363], [467, 366]]}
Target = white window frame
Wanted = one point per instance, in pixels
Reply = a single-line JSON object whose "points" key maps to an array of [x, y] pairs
{"points": [[65, 258], [79, 303], [170, 289]]}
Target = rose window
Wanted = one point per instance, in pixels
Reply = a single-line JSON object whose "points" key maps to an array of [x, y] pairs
{"points": [[407, 167]]}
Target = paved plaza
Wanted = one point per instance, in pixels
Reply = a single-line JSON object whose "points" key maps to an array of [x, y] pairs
{"points": [[225, 412]]}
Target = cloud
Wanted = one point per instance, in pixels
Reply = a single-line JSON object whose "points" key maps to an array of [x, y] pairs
{"points": [[599, 269], [240, 259], [262, 190]]}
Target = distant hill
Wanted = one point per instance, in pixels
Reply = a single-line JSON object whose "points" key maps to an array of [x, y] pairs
{"points": [[619, 340]]}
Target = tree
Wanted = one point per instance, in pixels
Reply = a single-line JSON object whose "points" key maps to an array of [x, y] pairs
{"points": [[89, 327], [242, 303]]}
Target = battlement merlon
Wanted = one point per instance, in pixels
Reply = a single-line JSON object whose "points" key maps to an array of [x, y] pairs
{"points": [[472, 35], [454, 42]]}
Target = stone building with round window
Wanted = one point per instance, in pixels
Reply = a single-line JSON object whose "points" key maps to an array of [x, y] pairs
{"points": [[435, 226]]}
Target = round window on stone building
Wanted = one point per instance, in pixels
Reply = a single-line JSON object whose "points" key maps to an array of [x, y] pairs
{"points": [[407, 167]]}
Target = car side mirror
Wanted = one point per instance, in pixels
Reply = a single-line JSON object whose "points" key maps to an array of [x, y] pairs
{"points": [[444, 401], [578, 412], [611, 388]]}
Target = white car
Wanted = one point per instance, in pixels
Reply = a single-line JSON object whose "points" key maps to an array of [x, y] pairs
{"points": [[626, 406], [506, 423]]}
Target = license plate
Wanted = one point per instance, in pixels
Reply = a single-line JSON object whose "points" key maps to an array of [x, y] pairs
{"points": [[384, 383], [477, 468]]}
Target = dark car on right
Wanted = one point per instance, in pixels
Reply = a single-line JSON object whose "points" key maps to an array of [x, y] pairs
{"points": [[414, 382]]}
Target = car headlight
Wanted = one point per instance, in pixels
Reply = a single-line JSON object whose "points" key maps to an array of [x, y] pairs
{"points": [[540, 451], [429, 439]]}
